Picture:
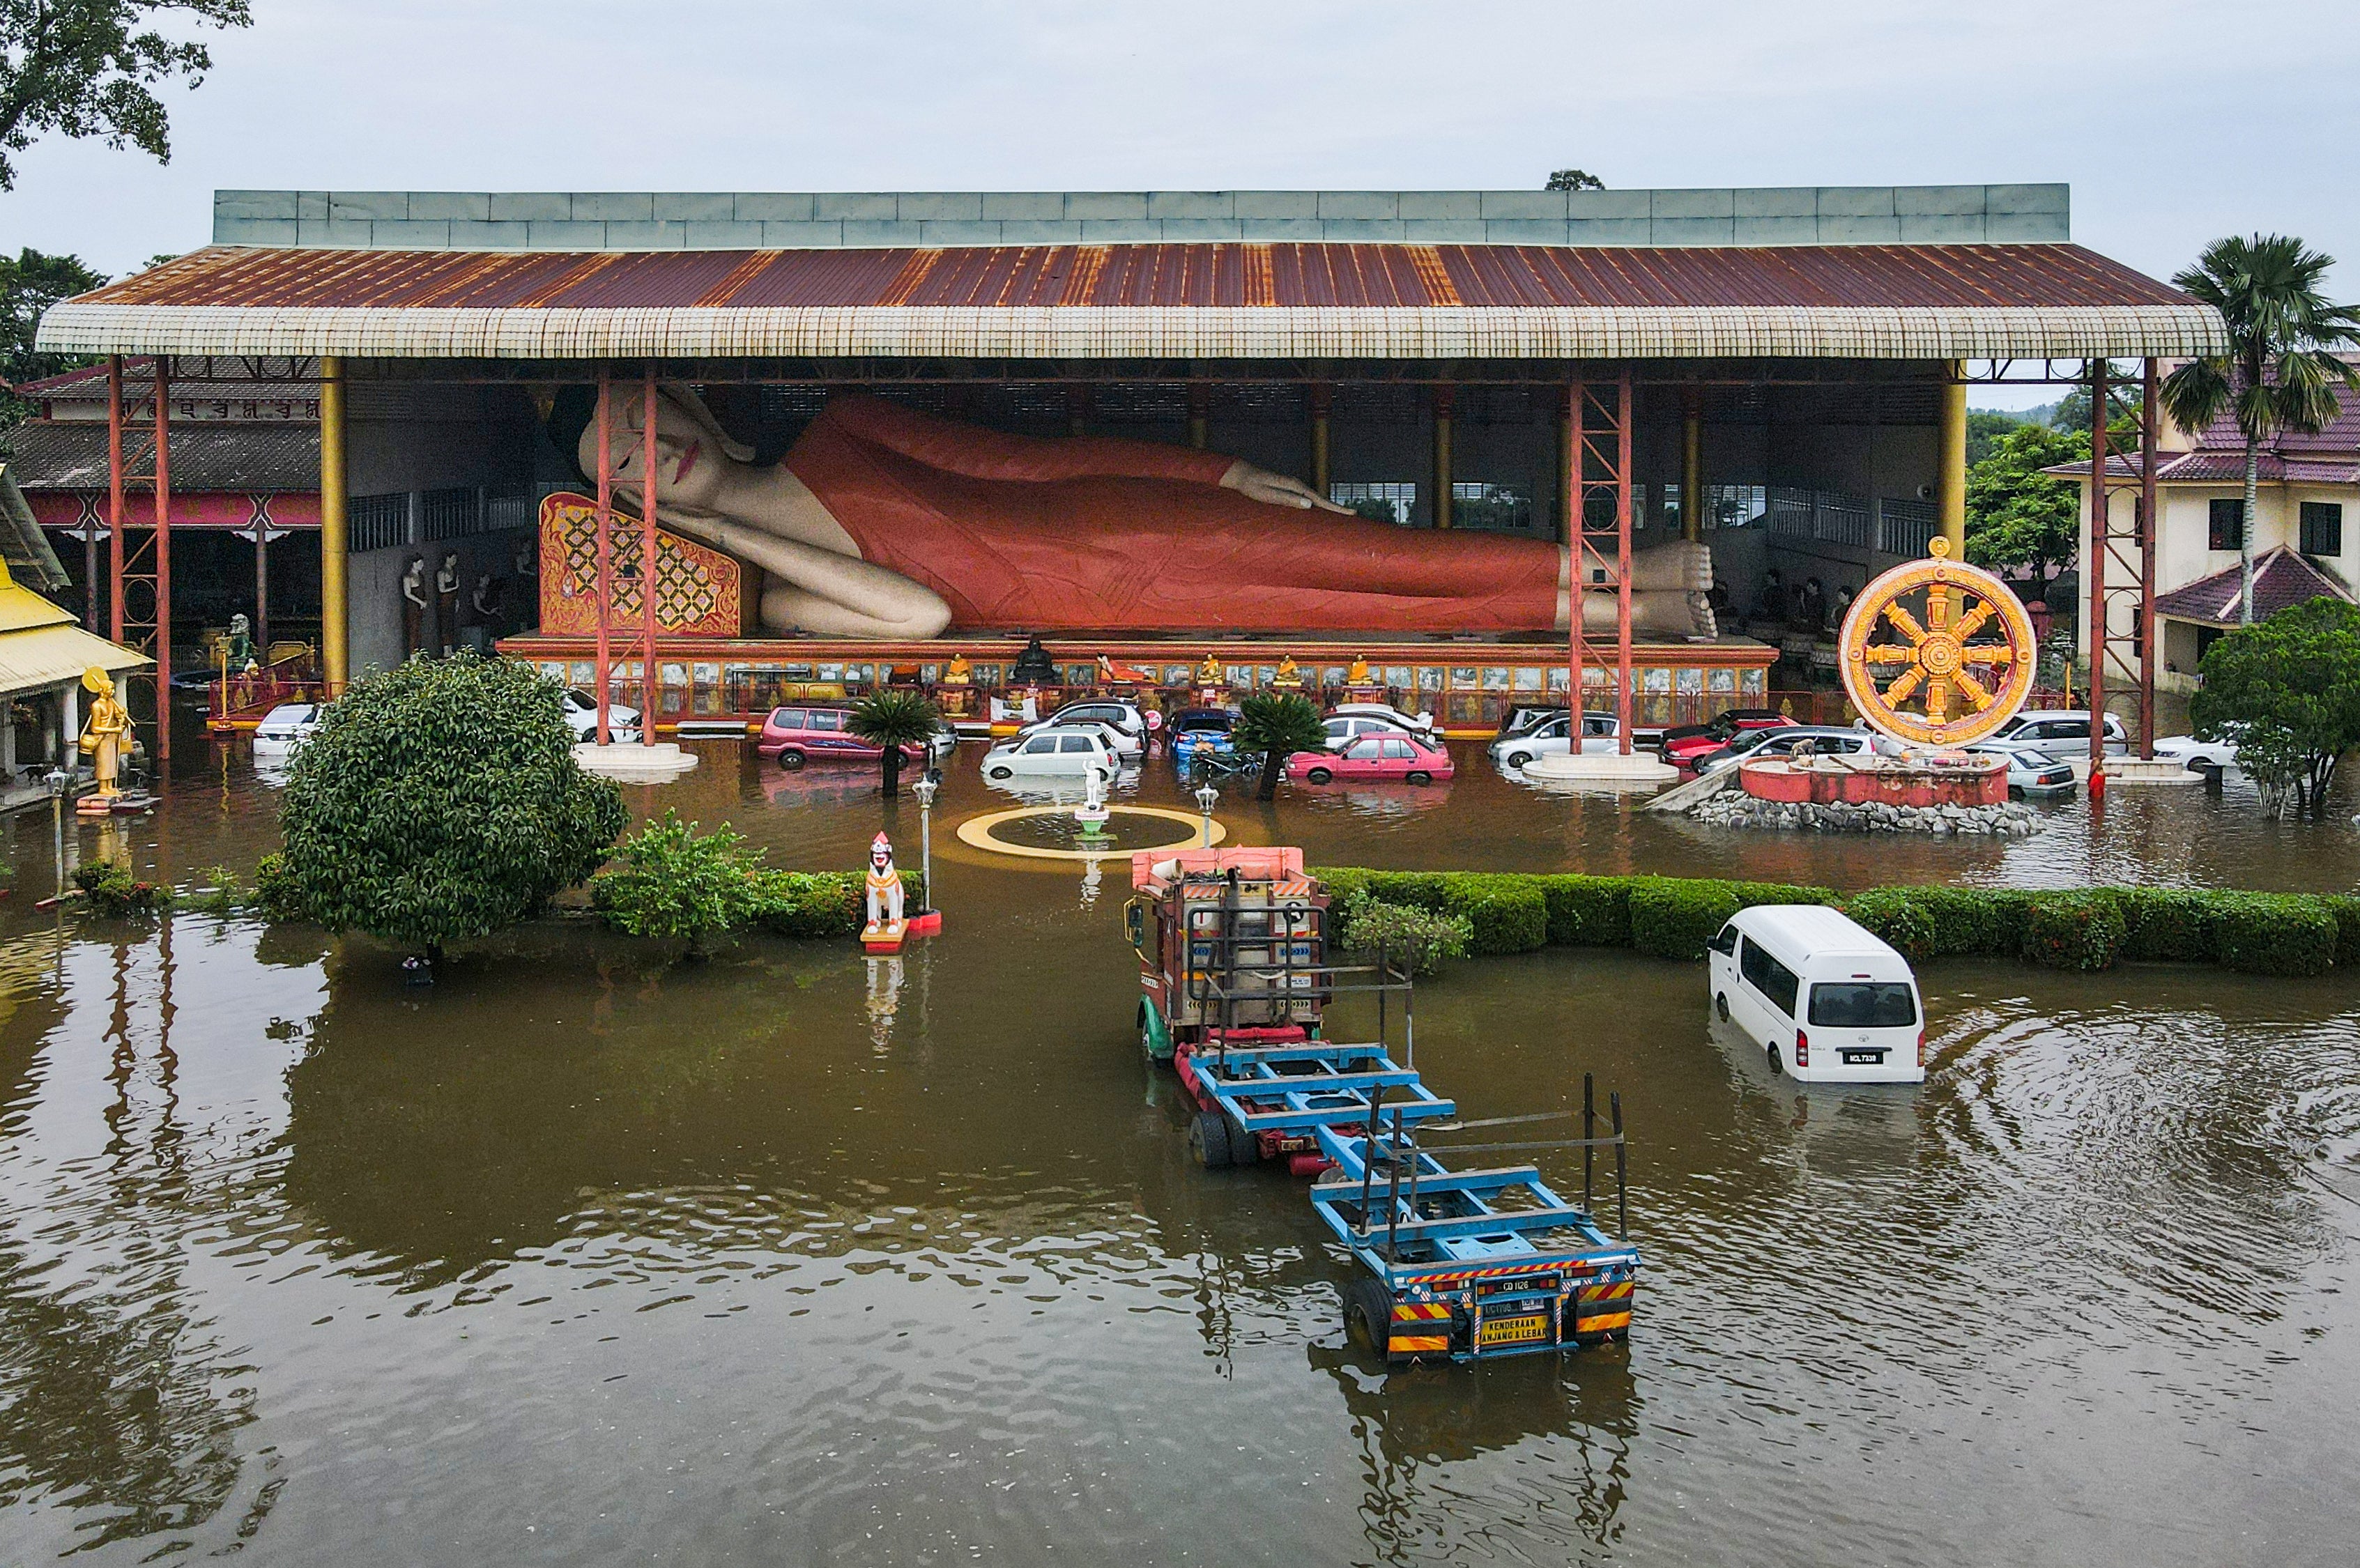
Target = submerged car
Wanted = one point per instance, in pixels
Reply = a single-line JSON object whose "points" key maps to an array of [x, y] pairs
{"points": [[2030, 770], [1125, 730], [2062, 729], [1682, 745], [798, 736], [1072, 750], [1416, 724], [1191, 729], [582, 712], [1343, 729], [286, 727], [2197, 755], [1825, 739], [1375, 757], [1600, 735]]}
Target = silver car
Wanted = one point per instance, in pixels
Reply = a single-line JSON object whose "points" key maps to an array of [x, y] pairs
{"points": [[2030, 770], [1825, 739]]}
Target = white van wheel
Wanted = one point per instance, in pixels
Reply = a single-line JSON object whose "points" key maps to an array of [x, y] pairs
{"points": [[1776, 1066], [1721, 1005]]}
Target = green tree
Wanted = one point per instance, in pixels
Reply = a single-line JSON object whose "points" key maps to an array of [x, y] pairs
{"points": [[86, 68], [893, 719], [2281, 371], [1278, 724], [1573, 180], [2286, 693], [669, 881], [441, 799], [1986, 426], [2018, 516], [30, 283]]}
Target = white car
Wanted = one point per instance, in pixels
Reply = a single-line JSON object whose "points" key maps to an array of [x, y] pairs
{"points": [[1599, 736], [622, 724], [1419, 725], [2030, 770], [1068, 750], [284, 727], [2196, 755], [1343, 729], [2061, 730], [1125, 730]]}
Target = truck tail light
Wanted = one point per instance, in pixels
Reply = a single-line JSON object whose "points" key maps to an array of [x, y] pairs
{"points": [[1921, 1048], [1802, 1049]]}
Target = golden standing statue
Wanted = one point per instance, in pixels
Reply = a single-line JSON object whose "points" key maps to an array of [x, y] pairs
{"points": [[105, 735]]}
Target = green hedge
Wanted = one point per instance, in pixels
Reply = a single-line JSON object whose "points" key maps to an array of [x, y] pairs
{"points": [[2083, 929]]}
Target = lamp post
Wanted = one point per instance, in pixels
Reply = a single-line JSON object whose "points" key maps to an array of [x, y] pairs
{"points": [[1207, 798], [924, 790], [56, 780]]}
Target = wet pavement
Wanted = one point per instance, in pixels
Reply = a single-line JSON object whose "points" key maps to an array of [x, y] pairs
{"points": [[581, 1256]]}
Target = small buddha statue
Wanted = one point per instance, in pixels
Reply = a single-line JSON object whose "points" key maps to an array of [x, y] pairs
{"points": [[1359, 674], [1289, 677], [1210, 672], [959, 672], [1034, 666]]}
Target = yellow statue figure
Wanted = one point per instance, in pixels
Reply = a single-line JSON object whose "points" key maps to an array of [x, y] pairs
{"points": [[959, 673], [104, 736], [1359, 674], [1289, 678], [1210, 672]]}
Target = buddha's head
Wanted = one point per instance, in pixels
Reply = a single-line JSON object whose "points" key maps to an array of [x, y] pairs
{"points": [[695, 456]]}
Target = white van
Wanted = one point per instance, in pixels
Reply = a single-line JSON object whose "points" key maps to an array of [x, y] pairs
{"points": [[1829, 1002]]}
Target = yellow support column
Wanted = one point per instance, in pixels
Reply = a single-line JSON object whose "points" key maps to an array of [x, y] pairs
{"points": [[1322, 402], [1692, 468], [335, 621], [1953, 485], [1445, 405]]}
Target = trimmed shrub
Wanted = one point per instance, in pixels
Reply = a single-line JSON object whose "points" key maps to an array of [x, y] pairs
{"points": [[1504, 912], [1423, 936], [1587, 912], [1900, 916], [822, 903], [2079, 929], [1673, 918], [670, 880], [2346, 907], [2274, 933], [2167, 925]]}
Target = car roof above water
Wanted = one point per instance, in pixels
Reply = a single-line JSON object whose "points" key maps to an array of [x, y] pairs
{"points": [[1817, 930]]}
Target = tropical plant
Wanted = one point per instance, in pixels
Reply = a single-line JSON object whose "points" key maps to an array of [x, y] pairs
{"points": [[892, 720], [31, 282], [2286, 693], [2281, 371], [1419, 939], [108, 888], [79, 66], [1277, 724], [2018, 515], [438, 800], [670, 880]]}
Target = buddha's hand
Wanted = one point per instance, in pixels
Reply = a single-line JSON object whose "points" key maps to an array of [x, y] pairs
{"points": [[1277, 489]]}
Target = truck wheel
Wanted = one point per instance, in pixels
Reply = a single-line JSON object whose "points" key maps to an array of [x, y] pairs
{"points": [[792, 761], [1147, 1036], [1369, 1315], [1721, 1005], [1245, 1149], [1209, 1140], [1777, 1065]]}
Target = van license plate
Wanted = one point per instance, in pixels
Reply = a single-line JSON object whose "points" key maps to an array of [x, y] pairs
{"points": [[1863, 1057], [1532, 1330]]}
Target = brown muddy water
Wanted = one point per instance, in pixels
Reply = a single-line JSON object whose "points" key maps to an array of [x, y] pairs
{"points": [[794, 1257]]}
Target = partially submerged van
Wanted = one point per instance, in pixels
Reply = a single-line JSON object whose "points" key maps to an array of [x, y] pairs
{"points": [[1829, 1002]]}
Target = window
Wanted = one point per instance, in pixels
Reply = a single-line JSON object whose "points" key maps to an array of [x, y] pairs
{"points": [[2323, 527], [1378, 503], [1725, 943], [1777, 983], [1364, 750], [1880, 1004], [1040, 746], [2228, 524], [1398, 751], [1074, 744], [829, 722], [1492, 508], [787, 718]]}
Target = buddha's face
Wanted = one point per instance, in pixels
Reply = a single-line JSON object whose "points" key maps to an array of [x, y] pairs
{"points": [[691, 467]]}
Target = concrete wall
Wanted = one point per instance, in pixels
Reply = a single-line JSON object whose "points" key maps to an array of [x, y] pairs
{"points": [[1827, 214], [377, 628]]}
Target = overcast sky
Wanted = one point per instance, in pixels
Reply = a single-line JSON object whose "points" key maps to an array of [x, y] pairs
{"points": [[2173, 121]]}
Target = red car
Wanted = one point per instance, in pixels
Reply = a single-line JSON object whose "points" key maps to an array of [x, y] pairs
{"points": [[798, 735], [1683, 745], [1375, 757]]}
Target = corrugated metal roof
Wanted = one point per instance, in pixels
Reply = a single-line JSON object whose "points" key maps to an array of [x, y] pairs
{"points": [[1106, 301], [49, 656], [227, 455]]}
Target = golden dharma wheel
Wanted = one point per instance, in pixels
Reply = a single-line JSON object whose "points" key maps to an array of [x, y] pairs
{"points": [[1937, 651]]}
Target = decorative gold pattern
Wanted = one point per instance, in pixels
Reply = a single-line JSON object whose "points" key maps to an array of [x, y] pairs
{"points": [[1961, 659], [697, 589]]}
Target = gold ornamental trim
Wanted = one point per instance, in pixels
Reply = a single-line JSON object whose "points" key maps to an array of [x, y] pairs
{"points": [[1937, 651]]}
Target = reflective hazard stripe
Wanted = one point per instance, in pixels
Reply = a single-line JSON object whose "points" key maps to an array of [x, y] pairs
{"points": [[1416, 1312], [1605, 1292], [1402, 1343]]}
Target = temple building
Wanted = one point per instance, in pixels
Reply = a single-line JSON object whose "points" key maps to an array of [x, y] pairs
{"points": [[1465, 447]]}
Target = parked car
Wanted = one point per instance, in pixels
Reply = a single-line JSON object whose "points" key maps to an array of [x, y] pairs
{"points": [[1343, 729], [1600, 735], [799, 735], [1829, 1001], [2030, 770], [1682, 745], [1823, 738], [1522, 718], [1193, 727], [1374, 758], [1069, 750], [285, 727], [582, 712], [1125, 729], [2063, 730], [2197, 755], [1417, 723]]}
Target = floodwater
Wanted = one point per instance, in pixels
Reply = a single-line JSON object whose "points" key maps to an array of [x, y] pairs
{"points": [[797, 1256]]}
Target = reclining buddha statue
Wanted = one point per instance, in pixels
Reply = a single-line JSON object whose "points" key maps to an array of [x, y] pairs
{"points": [[884, 522]]}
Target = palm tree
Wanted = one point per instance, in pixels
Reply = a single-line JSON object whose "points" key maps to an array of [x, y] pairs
{"points": [[2281, 370], [892, 720], [1278, 724]]}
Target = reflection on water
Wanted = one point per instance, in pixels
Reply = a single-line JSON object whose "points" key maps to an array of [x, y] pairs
{"points": [[802, 1254]]}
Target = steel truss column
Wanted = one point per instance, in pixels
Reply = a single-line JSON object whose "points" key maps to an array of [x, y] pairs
{"points": [[139, 597], [1598, 464], [2121, 569]]}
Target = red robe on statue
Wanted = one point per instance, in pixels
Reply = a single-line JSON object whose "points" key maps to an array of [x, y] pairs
{"points": [[1095, 533]]}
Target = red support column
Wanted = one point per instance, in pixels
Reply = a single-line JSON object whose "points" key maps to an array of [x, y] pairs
{"points": [[1577, 542], [163, 548], [1597, 463], [647, 563], [2150, 656], [115, 496], [1622, 565], [603, 590], [2100, 525]]}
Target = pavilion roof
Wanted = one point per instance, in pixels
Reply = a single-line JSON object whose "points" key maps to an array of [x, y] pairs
{"points": [[2281, 578], [1196, 300]]}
